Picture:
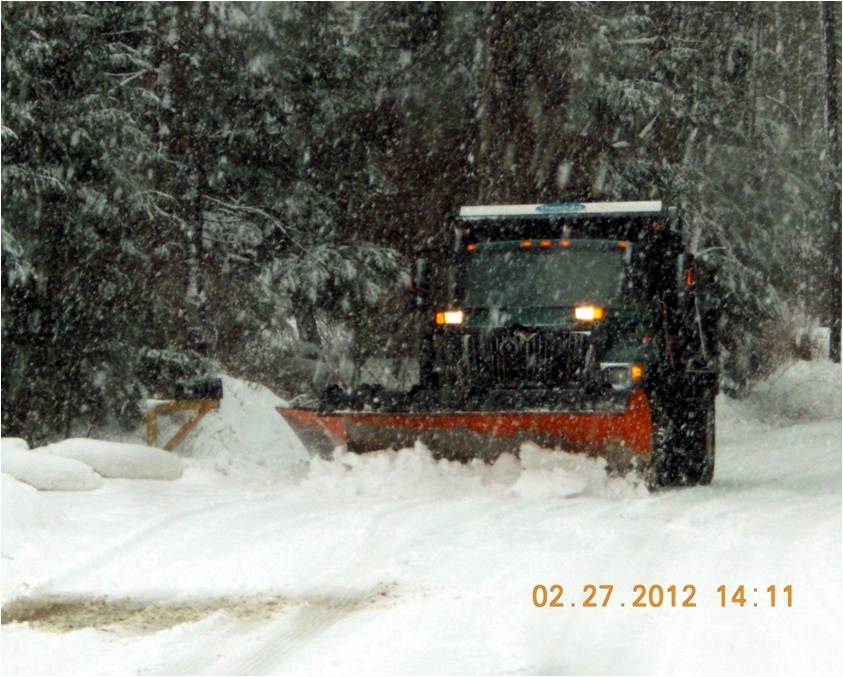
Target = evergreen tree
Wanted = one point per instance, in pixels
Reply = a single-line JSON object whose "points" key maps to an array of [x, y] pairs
{"points": [[71, 153]]}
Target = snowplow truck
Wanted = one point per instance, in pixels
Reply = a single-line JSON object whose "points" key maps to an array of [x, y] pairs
{"points": [[576, 326]]}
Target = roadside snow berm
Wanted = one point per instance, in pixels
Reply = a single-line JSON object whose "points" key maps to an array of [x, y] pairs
{"points": [[45, 471], [587, 327], [79, 464], [116, 459]]}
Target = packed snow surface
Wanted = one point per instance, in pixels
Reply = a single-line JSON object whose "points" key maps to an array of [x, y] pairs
{"points": [[47, 472], [115, 459], [393, 562]]}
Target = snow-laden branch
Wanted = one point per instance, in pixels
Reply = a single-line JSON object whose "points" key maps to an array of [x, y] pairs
{"points": [[796, 117], [259, 212], [639, 41]]}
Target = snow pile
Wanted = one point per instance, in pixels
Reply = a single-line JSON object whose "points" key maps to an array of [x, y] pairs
{"points": [[47, 472], [803, 391], [799, 392], [538, 474], [115, 459], [16, 443], [246, 437]]}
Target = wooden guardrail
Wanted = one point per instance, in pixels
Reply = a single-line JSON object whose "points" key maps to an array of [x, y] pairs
{"points": [[200, 407]]}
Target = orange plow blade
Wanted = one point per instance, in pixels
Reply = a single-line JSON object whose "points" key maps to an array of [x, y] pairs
{"points": [[477, 434]]}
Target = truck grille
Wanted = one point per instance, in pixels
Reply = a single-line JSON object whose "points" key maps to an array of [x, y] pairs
{"points": [[515, 357]]}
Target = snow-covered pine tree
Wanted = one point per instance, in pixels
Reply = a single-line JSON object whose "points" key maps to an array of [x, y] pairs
{"points": [[72, 151]]}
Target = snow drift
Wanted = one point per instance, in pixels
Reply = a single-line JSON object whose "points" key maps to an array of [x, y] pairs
{"points": [[49, 473], [798, 392], [115, 459], [16, 443]]}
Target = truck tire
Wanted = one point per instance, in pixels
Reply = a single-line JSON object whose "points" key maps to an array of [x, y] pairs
{"points": [[682, 455], [704, 466], [660, 471]]}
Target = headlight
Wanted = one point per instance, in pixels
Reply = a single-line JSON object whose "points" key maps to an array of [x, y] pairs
{"points": [[622, 375], [449, 317], [588, 313]]}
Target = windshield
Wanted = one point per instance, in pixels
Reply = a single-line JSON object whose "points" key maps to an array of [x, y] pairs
{"points": [[504, 275]]}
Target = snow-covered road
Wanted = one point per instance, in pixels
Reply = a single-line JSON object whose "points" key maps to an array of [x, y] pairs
{"points": [[394, 563]]}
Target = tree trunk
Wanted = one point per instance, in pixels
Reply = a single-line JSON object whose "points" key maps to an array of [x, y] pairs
{"points": [[506, 135], [305, 315], [191, 181], [829, 21]]}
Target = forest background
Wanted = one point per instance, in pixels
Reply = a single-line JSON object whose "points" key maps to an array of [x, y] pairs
{"points": [[189, 187]]}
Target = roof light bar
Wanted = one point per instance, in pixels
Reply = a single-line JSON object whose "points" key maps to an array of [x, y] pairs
{"points": [[565, 208]]}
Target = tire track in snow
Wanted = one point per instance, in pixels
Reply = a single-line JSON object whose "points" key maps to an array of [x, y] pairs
{"points": [[315, 619], [309, 622], [114, 550], [151, 532], [316, 615]]}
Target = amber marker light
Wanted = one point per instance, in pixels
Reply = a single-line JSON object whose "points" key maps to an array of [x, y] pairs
{"points": [[526, 244], [545, 244], [564, 243], [636, 372], [472, 248], [588, 313], [623, 244], [444, 317], [689, 278]]}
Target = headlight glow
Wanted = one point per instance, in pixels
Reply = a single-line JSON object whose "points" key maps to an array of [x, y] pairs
{"points": [[588, 313], [444, 317]]}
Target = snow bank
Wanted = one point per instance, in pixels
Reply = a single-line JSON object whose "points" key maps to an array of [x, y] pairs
{"points": [[47, 472], [16, 443], [115, 459], [246, 437], [804, 391], [799, 392]]}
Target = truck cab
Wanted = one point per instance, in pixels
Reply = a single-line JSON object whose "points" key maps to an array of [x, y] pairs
{"points": [[582, 303]]}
